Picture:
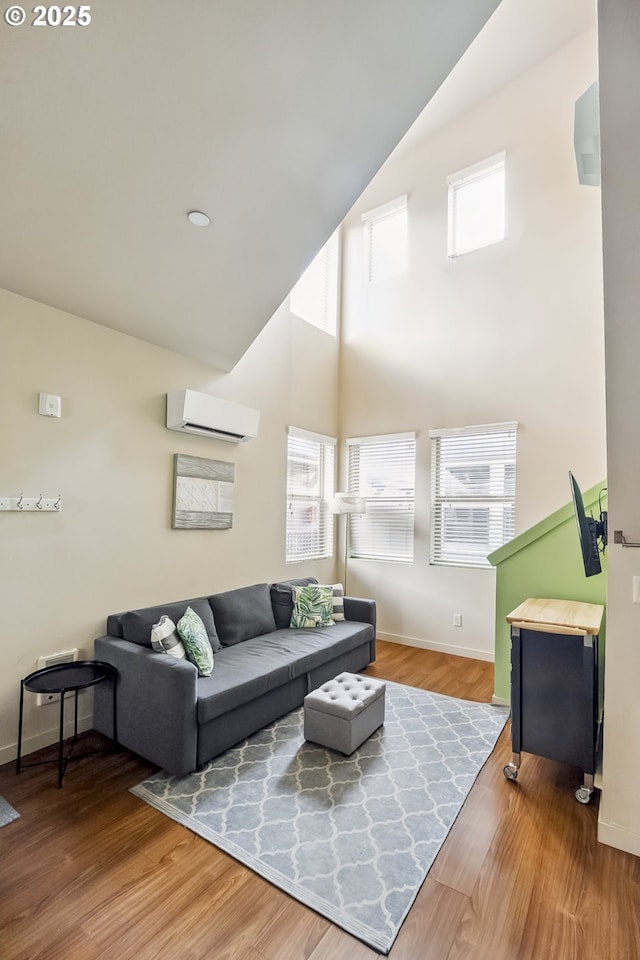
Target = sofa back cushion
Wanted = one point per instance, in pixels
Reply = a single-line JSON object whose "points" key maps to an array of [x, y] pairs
{"points": [[243, 613], [136, 624], [282, 599]]}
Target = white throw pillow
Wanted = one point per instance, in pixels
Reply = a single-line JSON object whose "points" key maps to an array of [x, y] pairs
{"points": [[165, 639], [338, 601]]}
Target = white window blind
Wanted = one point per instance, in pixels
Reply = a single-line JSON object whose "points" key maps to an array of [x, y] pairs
{"points": [[473, 490], [382, 469], [477, 206], [386, 240], [315, 296], [310, 483]]}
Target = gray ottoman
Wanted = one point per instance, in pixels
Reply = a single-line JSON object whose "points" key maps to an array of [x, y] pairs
{"points": [[343, 712]]}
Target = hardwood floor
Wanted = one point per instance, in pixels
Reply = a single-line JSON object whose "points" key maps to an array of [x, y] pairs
{"points": [[90, 872]]}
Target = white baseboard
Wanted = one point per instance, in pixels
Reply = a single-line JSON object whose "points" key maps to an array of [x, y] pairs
{"points": [[439, 647], [45, 739], [500, 701], [614, 836]]}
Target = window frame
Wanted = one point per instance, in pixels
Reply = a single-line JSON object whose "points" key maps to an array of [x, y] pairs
{"points": [[464, 178], [317, 502], [398, 504], [499, 506]]}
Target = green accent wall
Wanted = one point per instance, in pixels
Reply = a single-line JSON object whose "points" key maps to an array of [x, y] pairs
{"points": [[543, 562]]}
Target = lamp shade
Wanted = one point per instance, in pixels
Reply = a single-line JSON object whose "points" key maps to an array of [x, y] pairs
{"points": [[348, 503]]}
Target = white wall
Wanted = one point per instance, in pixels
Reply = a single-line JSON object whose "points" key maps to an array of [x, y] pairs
{"points": [[512, 332], [111, 457], [619, 823]]}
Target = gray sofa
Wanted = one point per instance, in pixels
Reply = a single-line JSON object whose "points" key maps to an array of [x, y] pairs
{"points": [[263, 669]]}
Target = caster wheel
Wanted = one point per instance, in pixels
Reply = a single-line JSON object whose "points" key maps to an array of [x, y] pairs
{"points": [[510, 771], [583, 794]]}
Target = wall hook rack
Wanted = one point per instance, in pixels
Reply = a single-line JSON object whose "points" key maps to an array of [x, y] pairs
{"points": [[618, 537], [28, 504]]}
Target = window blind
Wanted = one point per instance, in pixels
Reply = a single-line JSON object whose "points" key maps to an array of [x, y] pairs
{"points": [[382, 469], [310, 484], [477, 206], [315, 296], [473, 489], [385, 239]]}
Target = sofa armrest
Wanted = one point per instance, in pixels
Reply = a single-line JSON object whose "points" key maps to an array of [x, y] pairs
{"points": [[156, 705], [356, 608]]}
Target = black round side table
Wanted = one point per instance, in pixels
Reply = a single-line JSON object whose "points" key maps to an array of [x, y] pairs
{"points": [[66, 678]]}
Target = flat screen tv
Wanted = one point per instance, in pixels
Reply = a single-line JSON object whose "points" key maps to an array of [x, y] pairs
{"points": [[592, 533]]}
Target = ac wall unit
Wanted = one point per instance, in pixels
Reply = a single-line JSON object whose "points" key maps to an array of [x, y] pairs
{"points": [[191, 412]]}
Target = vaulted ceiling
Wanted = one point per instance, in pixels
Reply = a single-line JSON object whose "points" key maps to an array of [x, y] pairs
{"points": [[271, 116]]}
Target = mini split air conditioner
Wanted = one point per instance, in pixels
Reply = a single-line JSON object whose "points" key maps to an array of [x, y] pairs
{"points": [[191, 412]]}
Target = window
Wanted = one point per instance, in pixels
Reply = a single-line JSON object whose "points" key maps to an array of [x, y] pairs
{"points": [[315, 296], [476, 206], [385, 238], [473, 491], [310, 484], [382, 469]]}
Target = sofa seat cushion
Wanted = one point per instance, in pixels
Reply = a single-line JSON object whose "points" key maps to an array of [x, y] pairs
{"points": [[243, 613], [264, 663]]}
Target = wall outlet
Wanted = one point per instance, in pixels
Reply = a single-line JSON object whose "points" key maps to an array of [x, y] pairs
{"points": [[457, 619]]}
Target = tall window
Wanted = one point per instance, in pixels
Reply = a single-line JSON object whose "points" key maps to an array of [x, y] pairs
{"points": [[315, 296], [310, 484], [385, 240], [473, 491], [382, 469], [476, 206]]}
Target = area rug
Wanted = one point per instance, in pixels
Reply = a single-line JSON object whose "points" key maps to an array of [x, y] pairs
{"points": [[354, 837], [7, 813]]}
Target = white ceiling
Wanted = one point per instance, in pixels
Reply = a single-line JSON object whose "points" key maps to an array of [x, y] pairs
{"points": [[271, 117]]}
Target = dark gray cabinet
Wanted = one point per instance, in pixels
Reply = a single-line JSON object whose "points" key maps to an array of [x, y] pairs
{"points": [[555, 684]]}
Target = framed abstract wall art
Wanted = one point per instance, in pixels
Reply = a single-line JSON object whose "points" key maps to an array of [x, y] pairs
{"points": [[202, 493]]}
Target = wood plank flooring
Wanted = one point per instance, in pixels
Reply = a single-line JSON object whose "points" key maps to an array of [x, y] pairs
{"points": [[90, 872]]}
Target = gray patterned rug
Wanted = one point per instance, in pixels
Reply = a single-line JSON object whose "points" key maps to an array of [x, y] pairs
{"points": [[351, 837], [7, 813]]}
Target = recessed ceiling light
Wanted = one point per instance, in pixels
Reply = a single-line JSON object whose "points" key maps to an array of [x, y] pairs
{"points": [[198, 219]]}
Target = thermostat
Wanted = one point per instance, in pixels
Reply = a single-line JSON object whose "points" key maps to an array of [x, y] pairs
{"points": [[49, 405]]}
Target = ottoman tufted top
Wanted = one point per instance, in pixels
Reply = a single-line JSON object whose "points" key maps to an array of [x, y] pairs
{"points": [[346, 695]]}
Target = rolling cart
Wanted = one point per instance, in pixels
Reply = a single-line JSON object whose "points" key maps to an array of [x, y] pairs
{"points": [[555, 685]]}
